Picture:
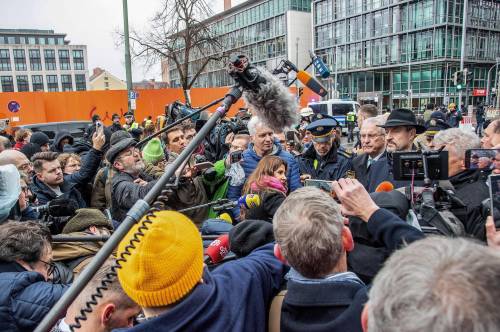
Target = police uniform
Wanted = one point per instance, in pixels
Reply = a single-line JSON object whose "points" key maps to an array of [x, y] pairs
{"points": [[351, 123], [333, 165]]}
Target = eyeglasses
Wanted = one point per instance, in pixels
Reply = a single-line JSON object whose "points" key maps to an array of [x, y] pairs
{"points": [[50, 267], [130, 152]]}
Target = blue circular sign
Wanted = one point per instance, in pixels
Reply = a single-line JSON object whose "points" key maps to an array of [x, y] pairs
{"points": [[13, 106]]}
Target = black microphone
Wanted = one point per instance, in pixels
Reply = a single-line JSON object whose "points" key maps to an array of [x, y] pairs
{"points": [[268, 97]]}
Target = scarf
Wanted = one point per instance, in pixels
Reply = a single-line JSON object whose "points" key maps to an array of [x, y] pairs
{"points": [[269, 182]]}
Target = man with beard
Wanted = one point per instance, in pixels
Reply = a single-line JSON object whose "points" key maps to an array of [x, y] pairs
{"points": [[401, 128], [129, 183]]}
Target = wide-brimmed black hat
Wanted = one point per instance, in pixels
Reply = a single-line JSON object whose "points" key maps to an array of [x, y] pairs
{"points": [[403, 117]]}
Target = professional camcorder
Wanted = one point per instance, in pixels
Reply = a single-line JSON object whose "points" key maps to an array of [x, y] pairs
{"points": [[434, 203], [56, 213]]}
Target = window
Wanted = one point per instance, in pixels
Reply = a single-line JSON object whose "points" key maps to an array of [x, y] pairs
{"points": [[35, 60], [31, 40], [4, 60], [64, 60], [78, 61], [22, 83], [52, 84], [37, 82], [7, 84], [67, 84], [20, 60], [50, 59], [106, 85], [80, 83]]}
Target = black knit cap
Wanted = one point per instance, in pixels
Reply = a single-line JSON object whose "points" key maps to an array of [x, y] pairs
{"points": [[39, 138]]}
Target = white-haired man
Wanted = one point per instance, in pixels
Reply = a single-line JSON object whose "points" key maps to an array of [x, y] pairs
{"points": [[439, 285], [263, 143], [372, 138], [469, 185]]}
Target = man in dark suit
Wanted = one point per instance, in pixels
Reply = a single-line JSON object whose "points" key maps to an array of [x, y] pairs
{"points": [[401, 129], [372, 139]]}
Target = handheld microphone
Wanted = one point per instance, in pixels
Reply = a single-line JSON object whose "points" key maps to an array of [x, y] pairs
{"points": [[384, 186], [249, 201], [217, 250], [313, 84], [268, 97], [320, 66]]}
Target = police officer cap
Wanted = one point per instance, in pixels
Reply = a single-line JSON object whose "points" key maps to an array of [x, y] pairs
{"points": [[321, 130], [434, 126], [319, 116], [128, 114], [115, 149]]}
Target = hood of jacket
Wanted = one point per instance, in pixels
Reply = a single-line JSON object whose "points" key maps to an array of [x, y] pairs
{"points": [[59, 137]]}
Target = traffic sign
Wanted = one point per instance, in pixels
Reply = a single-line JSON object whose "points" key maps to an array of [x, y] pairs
{"points": [[133, 94], [13, 106]]}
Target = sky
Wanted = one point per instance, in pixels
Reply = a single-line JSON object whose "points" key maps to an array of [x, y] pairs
{"points": [[89, 22]]}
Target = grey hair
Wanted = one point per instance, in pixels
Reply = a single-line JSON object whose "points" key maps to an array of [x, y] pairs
{"points": [[308, 227], [437, 284], [460, 139], [253, 123], [377, 121]]}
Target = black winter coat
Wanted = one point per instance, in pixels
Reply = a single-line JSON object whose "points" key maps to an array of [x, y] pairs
{"points": [[25, 298], [57, 141], [471, 188], [333, 166], [90, 165], [124, 193], [270, 201]]}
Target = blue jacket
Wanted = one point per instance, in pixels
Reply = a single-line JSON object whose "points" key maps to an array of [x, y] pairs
{"points": [[334, 166], [249, 163], [336, 305], [90, 165], [234, 297], [25, 299]]}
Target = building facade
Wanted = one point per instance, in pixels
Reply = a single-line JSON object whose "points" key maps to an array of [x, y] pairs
{"points": [[41, 60], [399, 53], [267, 31], [102, 79]]}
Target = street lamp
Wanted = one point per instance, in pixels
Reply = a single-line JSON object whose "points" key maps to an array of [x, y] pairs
{"points": [[488, 81]]}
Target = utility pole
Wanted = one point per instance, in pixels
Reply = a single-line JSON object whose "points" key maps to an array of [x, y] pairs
{"points": [[128, 68], [462, 52]]}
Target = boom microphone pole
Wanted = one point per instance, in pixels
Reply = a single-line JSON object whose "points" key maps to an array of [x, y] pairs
{"points": [[173, 124], [133, 216]]}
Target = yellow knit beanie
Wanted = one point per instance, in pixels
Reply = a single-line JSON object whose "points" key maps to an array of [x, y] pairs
{"points": [[166, 264]]}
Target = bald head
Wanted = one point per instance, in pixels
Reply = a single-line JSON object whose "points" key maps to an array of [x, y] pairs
{"points": [[4, 143], [16, 158]]}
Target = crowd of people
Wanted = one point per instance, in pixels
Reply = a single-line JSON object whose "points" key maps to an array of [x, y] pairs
{"points": [[317, 245]]}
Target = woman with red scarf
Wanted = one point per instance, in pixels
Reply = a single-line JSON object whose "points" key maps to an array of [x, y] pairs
{"points": [[268, 181], [22, 137]]}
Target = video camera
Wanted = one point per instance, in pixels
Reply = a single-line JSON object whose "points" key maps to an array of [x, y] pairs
{"points": [[56, 213], [433, 205]]}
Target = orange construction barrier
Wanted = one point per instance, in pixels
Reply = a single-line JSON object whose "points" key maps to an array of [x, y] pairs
{"points": [[40, 107]]}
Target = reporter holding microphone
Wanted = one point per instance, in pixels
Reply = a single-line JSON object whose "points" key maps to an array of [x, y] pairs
{"points": [[269, 182]]}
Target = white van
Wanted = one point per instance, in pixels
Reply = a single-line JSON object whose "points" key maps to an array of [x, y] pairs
{"points": [[337, 108]]}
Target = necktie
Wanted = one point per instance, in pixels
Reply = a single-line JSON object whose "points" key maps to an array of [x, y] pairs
{"points": [[370, 162]]}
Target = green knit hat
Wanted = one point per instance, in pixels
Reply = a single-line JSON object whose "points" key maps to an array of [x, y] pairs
{"points": [[153, 151]]}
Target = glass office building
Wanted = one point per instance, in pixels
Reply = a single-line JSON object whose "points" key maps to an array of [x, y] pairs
{"points": [[266, 31], [397, 52]]}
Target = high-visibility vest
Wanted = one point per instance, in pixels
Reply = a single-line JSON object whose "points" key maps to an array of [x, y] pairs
{"points": [[351, 117]]}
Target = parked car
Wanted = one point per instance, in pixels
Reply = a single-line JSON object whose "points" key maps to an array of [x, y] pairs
{"points": [[75, 128]]}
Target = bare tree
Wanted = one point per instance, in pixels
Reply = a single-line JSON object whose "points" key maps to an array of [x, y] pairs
{"points": [[179, 34]]}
